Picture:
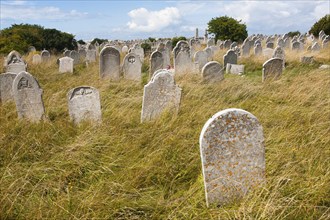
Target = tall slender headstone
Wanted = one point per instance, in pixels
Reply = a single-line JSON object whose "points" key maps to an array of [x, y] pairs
{"points": [[156, 62], [110, 63]]}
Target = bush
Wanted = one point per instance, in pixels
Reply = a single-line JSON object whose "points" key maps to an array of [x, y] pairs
{"points": [[293, 33], [322, 24], [175, 40]]}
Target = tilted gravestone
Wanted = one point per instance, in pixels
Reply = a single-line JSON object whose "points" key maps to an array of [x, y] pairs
{"points": [[212, 72], [156, 62], [297, 46], [14, 63], [132, 67], [36, 59], [230, 57], [110, 63], [6, 86], [84, 104], [272, 69], [45, 56], [66, 65], [315, 47], [233, 156], [28, 97], [160, 94], [279, 53], [201, 58]]}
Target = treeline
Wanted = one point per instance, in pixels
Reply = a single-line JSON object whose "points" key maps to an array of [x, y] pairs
{"points": [[20, 36]]}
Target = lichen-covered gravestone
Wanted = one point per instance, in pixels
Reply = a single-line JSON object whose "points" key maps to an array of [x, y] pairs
{"points": [[84, 104], [233, 155], [156, 62], [272, 69], [6, 86], [28, 97], [75, 56], [15, 63], [110, 63], [201, 58], [230, 57], [45, 56], [183, 63], [160, 94], [212, 72], [132, 67], [66, 65]]}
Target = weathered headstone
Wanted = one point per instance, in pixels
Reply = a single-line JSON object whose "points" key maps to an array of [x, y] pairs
{"points": [[297, 46], [230, 57], [156, 62], [235, 69], [268, 52], [307, 59], [201, 58], [315, 47], [110, 63], [138, 50], [183, 63], [270, 45], [28, 97], [82, 54], [15, 63], [257, 50], [67, 53], [160, 94], [36, 59], [209, 53], [211, 42], [45, 56], [124, 49], [181, 46], [279, 53], [6, 86], [272, 69], [227, 44], [246, 48], [32, 49], [132, 67], [213, 72], [84, 104], [75, 56], [66, 65], [233, 156], [91, 56]]}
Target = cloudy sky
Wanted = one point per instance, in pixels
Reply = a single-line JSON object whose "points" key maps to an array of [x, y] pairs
{"points": [[143, 19]]}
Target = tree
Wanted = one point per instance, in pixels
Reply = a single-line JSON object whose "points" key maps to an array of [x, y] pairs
{"points": [[293, 33], [225, 28], [322, 24], [175, 40], [98, 40], [81, 42]]}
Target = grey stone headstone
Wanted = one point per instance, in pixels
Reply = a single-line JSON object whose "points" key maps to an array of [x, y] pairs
{"points": [[270, 45], [91, 56], [211, 42], [212, 72], [227, 44], [201, 58], [82, 54], [280, 43], [67, 53], [307, 59], [279, 53], [32, 49], [66, 65], [156, 62], [233, 156], [233, 45], [36, 59], [272, 69], [235, 69], [110, 63], [28, 97], [6, 86], [45, 56], [246, 48], [268, 52], [315, 47], [297, 46], [325, 41], [183, 63], [75, 56], [257, 50], [230, 57], [132, 67], [84, 104], [160, 94], [181, 46], [124, 49], [15, 63], [139, 51]]}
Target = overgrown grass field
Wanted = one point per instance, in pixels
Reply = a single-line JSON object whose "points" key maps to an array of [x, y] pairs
{"points": [[123, 169]]}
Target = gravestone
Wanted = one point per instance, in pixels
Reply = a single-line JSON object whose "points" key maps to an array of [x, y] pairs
{"points": [[233, 45], [36, 59], [124, 49], [280, 43], [279, 53], [211, 42], [325, 41], [45, 56], [201, 58], [82, 54], [28, 97], [268, 52], [209, 53], [272, 69], [138, 50], [6, 86], [230, 57], [246, 48], [160, 94], [32, 49], [132, 67], [315, 47], [75, 56], [212, 72], [66, 65], [270, 45], [235, 69], [67, 53], [167, 54], [91, 56], [227, 44], [183, 63], [156, 62], [297, 46], [307, 59], [181, 46], [14, 63], [257, 50], [233, 156], [84, 104], [110, 63]]}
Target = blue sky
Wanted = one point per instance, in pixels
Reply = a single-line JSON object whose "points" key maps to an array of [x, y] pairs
{"points": [[142, 19]]}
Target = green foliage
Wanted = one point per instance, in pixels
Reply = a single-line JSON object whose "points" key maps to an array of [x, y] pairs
{"points": [[322, 24], [81, 42], [20, 36], [98, 40], [293, 33], [175, 40], [225, 28], [151, 39], [146, 47]]}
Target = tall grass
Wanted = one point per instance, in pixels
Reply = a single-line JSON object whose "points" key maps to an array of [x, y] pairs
{"points": [[123, 169]]}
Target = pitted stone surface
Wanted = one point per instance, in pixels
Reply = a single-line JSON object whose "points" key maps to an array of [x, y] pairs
{"points": [[160, 94], [212, 72], [110, 63], [272, 69], [15, 63], [6, 86], [233, 155], [66, 65], [132, 67], [183, 63], [230, 57], [28, 97], [84, 104]]}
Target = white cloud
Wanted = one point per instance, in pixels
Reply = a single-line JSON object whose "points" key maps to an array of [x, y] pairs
{"points": [[321, 9], [17, 2], [149, 21]]}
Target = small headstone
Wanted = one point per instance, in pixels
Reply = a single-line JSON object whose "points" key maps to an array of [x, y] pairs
{"points": [[28, 97], [235, 69], [233, 156], [132, 67], [325, 41], [110, 63], [213, 72], [246, 48], [307, 59], [45, 56], [84, 104], [227, 44], [233, 45], [91, 56], [315, 47], [257, 50], [160, 94], [75, 56], [66, 65], [6, 86], [82, 54], [297, 46], [156, 62], [268, 52], [32, 49], [270, 45], [15, 63], [124, 49], [209, 53], [279, 53], [272, 69], [183, 63], [324, 67], [211, 42], [201, 58], [230, 57], [36, 59]]}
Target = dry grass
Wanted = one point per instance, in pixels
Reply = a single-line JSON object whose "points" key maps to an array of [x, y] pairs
{"points": [[123, 169]]}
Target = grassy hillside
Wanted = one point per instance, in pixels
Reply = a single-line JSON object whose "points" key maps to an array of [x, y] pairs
{"points": [[123, 169]]}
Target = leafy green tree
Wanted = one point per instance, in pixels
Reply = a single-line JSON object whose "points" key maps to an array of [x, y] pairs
{"points": [[98, 40], [293, 33], [175, 40], [225, 28], [322, 24], [81, 42], [146, 48]]}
